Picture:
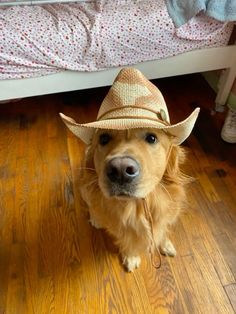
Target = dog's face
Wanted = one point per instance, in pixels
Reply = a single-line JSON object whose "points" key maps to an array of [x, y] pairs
{"points": [[130, 163]]}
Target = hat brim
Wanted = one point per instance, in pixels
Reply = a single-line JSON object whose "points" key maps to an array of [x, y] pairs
{"points": [[180, 131]]}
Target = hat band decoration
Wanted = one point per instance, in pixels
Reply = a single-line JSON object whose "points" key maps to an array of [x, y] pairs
{"points": [[161, 114], [139, 118]]}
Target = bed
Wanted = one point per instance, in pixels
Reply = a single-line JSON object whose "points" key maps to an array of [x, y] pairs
{"points": [[64, 47]]}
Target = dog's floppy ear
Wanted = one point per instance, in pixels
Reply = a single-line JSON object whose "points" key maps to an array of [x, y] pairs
{"points": [[173, 173], [88, 157]]}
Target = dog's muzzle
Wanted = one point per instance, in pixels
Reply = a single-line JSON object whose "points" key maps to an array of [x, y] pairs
{"points": [[122, 174]]}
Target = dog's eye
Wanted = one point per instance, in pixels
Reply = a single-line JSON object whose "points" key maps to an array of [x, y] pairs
{"points": [[150, 138], [104, 139]]}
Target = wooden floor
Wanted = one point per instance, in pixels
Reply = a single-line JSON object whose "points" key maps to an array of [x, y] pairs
{"points": [[53, 261]]}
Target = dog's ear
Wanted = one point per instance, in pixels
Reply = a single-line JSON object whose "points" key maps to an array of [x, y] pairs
{"points": [[88, 157], [173, 173], [86, 165]]}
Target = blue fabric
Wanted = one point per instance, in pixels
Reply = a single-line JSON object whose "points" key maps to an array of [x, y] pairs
{"points": [[181, 11]]}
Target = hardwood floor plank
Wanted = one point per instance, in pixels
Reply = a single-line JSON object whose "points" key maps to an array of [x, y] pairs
{"points": [[210, 279], [209, 188], [228, 250], [231, 292], [7, 193], [16, 293], [196, 156], [191, 285], [198, 227], [4, 275], [162, 288]]}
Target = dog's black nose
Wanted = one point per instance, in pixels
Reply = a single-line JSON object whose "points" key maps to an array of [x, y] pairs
{"points": [[122, 170]]}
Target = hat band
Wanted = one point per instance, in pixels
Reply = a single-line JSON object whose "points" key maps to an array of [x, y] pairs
{"points": [[138, 117], [102, 117]]}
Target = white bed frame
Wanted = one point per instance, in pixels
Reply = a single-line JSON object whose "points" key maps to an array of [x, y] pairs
{"points": [[186, 63]]}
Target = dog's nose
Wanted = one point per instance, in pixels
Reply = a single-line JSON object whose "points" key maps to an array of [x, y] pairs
{"points": [[122, 170]]}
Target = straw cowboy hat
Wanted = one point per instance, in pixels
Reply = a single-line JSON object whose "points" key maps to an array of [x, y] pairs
{"points": [[133, 102]]}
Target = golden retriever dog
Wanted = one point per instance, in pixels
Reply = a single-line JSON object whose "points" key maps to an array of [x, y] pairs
{"points": [[131, 178], [124, 171]]}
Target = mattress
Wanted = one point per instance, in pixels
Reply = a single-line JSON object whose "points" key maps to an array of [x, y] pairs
{"points": [[92, 36]]}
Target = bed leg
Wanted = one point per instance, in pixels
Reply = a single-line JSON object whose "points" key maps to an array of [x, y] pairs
{"points": [[225, 83]]}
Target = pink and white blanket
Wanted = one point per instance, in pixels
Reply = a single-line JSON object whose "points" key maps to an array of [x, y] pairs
{"points": [[91, 36]]}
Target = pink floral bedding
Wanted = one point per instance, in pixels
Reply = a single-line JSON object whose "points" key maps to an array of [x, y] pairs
{"points": [[91, 36]]}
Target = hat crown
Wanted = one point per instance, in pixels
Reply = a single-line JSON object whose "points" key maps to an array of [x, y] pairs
{"points": [[132, 95]]}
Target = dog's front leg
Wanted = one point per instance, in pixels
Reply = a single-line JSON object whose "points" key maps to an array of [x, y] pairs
{"points": [[167, 247], [87, 198], [130, 247], [163, 242], [131, 262], [93, 216], [93, 221]]}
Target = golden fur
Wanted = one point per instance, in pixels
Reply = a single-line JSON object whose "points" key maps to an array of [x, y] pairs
{"points": [[161, 185]]}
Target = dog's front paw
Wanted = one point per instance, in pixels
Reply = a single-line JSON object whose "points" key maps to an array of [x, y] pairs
{"points": [[94, 223], [168, 248], [131, 262]]}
